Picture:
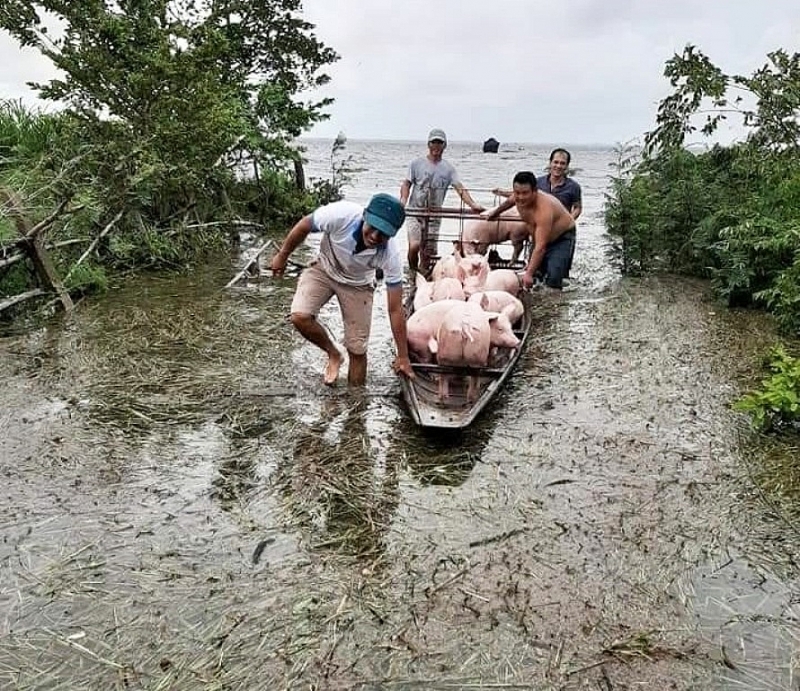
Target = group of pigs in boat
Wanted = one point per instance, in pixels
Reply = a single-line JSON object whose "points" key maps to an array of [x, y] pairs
{"points": [[464, 314]]}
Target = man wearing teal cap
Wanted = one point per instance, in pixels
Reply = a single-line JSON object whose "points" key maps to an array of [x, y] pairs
{"points": [[354, 242]]}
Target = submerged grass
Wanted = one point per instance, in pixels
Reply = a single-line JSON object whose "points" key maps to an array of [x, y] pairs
{"points": [[201, 514], [776, 470]]}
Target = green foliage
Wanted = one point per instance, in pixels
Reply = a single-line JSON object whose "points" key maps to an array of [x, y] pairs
{"points": [[729, 213], [7, 230], [167, 101], [25, 135], [656, 210], [87, 278], [777, 402], [702, 89], [152, 248], [695, 80], [752, 255], [782, 297], [175, 117], [16, 279], [627, 212], [329, 190]]}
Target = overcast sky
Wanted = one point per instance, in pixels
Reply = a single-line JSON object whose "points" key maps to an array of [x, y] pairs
{"points": [[569, 72]]}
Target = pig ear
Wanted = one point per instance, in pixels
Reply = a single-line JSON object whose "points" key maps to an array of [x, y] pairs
{"points": [[433, 345], [492, 315], [484, 301]]}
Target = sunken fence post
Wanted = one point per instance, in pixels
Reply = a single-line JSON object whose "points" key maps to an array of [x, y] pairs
{"points": [[32, 243]]}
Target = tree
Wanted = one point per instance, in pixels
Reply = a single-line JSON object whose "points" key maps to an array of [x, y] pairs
{"points": [[773, 121], [164, 91]]}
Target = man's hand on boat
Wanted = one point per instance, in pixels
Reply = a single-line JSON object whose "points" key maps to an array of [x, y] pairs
{"points": [[491, 214], [402, 365], [526, 279]]}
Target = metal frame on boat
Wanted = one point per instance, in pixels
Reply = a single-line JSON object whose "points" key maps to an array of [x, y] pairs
{"points": [[456, 411]]}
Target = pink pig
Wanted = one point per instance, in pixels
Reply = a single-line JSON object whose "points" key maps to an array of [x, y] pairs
{"points": [[475, 269], [503, 279], [423, 325], [432, 291], [499, 301], [478, 235], [448, 266], [447, 288], [465, 336], [423, 294]]}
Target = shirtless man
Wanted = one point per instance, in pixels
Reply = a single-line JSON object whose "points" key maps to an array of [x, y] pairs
{"points": [[551, 226]]}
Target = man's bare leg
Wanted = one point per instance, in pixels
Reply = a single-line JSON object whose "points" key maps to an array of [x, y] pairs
{"points": [[332, 367], [427, 255], [357, 370], [314, 332], [413, 256]]}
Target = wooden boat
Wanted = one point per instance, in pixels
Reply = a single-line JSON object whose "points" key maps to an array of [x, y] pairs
{"points": [[456, 411]]}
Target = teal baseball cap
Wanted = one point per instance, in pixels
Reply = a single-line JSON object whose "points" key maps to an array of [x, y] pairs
{"points": [[385, 213]]}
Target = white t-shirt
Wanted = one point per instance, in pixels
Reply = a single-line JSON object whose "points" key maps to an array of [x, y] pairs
{"points": [[341, 224], [430, 182]]}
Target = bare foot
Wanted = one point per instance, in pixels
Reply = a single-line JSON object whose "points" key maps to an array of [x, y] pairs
{"points": [[332, 368]]}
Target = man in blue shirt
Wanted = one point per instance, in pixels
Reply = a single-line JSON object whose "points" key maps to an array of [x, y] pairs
{"points": [[562, 187], [557, 182]]}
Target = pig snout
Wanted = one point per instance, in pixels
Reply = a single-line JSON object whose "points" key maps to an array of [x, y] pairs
{"points": [[501, 332]]}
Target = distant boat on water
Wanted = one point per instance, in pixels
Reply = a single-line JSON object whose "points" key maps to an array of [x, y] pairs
{"points": [[490, 146]]}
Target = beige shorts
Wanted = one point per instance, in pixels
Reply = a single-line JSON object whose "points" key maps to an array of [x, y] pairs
{"points": [[315, 288], [415, 227]]}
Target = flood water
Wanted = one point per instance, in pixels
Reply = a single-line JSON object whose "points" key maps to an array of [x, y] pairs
{"points": [[186, 507]]}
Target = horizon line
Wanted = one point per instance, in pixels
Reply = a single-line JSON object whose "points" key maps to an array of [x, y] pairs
{"points": [[456, 141]]}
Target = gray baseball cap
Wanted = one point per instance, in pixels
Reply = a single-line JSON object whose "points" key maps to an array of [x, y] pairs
{"points": [[437, 134]]}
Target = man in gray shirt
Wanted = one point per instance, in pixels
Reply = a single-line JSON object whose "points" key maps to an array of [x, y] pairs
{"points": [[425, 186]]}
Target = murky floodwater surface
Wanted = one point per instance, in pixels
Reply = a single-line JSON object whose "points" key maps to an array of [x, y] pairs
{"points": [[186, 507]]}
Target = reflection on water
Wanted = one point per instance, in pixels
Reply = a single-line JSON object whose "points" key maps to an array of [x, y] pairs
{"points": [[442, 457], [334, 486]]}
